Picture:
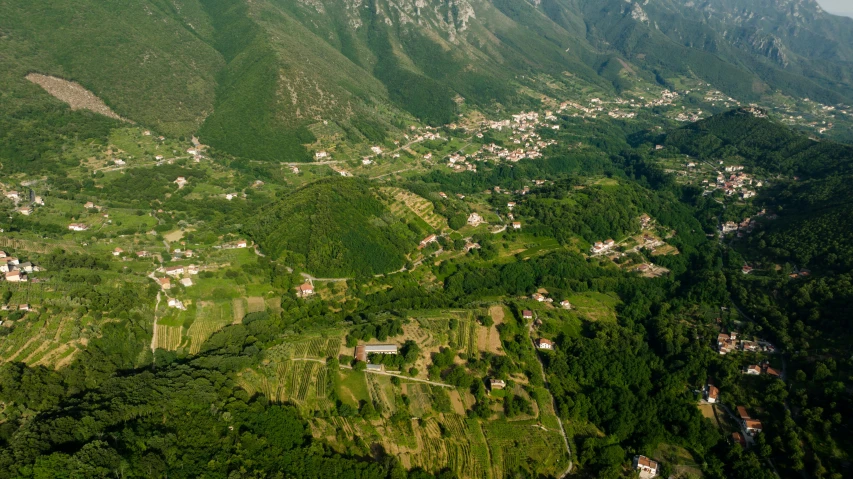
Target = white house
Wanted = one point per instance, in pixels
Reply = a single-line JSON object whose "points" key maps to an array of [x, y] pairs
{"points": [[712, 393], [174, 270], [78, 227], [543, 343], [646, 466], [16, 277]]}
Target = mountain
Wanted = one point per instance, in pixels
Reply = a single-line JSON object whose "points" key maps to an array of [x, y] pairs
{"points": [[334, 227], [762, 143], [250, 78]]}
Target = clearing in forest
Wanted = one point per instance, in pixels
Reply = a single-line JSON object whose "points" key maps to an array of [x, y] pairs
{"points": [[255, 304], [77, 97], [421, 207]]}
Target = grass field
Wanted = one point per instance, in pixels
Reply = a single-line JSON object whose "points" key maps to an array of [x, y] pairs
{"points": [[595, 306]]}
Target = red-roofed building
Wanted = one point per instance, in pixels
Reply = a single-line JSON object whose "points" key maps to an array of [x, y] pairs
{"points": [[712, 394], [305, 289]]}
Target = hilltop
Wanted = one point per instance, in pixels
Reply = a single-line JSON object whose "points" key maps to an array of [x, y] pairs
{"points": [[335, 227]]}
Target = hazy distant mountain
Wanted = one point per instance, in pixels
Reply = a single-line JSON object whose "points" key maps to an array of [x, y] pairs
{"points": [[250, 76]]}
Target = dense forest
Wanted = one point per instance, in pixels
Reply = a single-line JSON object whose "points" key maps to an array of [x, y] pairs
{"points": [[335, 227]]}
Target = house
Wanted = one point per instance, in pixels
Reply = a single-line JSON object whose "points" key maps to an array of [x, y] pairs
{"points": [[773, 372], [305, 289], [164, 283], [429, 239], [516, 225], [737, 438], [495, 384], [180, 181], [118, 252], [646, 466], [12, 195], [752, 426], [174, 270], [510, 205], [712, 393], [741, 411], [565, 304], [192, 269], [320, 155], [89, 205], [16, 277], [752, 370], [543, 343], [538, 297], [142, 254], [25, 210], [3, 254], [475, 219], [527, 314], [600, 246], [187, 282], [78, 227], [749, 346], [361, 352], [366, 161], [23, 307], [27, 267], [746, 269], [174, 303], [645, 220], [726, 343], [241, 244], [375, 367]]}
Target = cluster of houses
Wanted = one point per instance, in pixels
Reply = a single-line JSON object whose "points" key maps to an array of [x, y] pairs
{"points": [[746, 226], [733, 181], [14, 271], [26, 209], [727, 343]]}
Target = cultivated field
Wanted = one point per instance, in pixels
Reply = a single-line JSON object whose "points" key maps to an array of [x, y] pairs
{"points": [[210, 318]]}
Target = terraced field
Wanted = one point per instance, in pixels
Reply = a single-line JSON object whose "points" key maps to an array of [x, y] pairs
{"points": [[210, 318], [407, 203]]}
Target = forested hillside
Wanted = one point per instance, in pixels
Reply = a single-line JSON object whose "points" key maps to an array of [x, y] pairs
{"points": [[336, 227]]}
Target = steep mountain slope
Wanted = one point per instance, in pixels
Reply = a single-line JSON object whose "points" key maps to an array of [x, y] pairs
{"points": [[250, 77]]}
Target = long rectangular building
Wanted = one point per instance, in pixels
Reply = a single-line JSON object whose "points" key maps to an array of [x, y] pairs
{"points": [[361, 352]]}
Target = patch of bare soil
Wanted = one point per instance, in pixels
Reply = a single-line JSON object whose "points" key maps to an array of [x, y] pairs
{"points": [[77, 97]]}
